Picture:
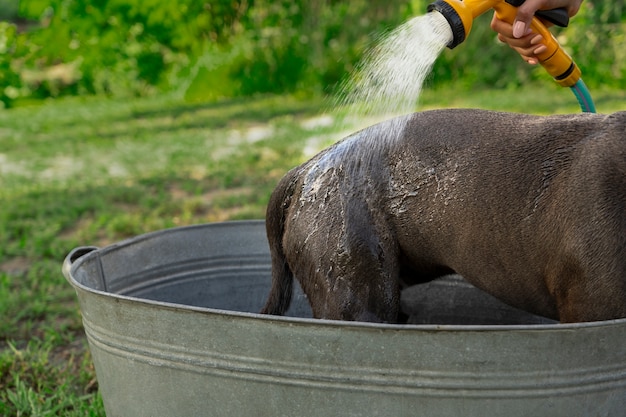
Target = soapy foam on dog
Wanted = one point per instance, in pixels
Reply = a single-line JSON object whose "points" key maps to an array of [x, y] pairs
{"points": [[389, 79]]}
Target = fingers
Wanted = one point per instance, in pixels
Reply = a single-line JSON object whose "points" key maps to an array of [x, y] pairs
{"points": [[504, 28], [529, 45], [519, 35], [526, 11], [537, 46], [524, 16]]}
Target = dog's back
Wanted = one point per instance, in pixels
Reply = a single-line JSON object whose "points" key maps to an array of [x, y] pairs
{"points": [[531, 209]]}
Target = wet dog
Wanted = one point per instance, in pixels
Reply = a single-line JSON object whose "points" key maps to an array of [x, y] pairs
{"points": [[530, 209]]}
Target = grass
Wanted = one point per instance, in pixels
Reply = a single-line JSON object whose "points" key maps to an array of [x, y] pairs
{"points": [[77, 172]]}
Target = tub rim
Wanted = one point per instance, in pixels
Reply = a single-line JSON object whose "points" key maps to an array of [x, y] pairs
{"points": [[77, 256]]}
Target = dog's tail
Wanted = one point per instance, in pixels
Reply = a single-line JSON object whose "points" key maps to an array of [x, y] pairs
{"points": [[282, 278]]}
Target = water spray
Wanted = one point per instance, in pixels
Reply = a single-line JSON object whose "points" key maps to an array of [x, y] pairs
{"points": [[460, 15]]}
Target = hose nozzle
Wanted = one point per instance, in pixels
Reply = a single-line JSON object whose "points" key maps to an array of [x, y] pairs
{"points": [[460, 15]]}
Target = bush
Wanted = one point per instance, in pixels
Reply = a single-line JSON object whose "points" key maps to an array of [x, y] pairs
{"points": [[241, 47], [596, 41], [119, 47], [305, 46], [10, 83]]}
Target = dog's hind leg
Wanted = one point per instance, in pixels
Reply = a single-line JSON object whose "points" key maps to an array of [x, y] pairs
{"points": [[349, 270]]}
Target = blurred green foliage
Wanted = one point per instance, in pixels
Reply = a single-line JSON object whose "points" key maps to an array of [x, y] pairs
{"points": [[226, 48]]}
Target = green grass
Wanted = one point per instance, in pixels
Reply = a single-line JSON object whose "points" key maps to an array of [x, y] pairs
{"points": [[80, 172]]}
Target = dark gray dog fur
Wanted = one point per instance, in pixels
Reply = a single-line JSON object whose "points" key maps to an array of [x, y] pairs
{"points": [[530, 209]]}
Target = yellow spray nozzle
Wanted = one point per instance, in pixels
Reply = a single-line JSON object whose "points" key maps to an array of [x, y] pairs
{"points": [[460, 15]]}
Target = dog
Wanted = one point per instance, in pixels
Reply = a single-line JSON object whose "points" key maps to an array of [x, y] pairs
{"points": [[531, 209]]}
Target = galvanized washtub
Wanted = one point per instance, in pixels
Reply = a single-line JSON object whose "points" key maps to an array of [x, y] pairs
{"points": [[170, 319]]}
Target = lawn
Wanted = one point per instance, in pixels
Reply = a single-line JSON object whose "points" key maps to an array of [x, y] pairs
{"points": [[77, 172]]}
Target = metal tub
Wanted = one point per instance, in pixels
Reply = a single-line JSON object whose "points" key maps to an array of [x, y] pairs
{"points": [[171, 324]]}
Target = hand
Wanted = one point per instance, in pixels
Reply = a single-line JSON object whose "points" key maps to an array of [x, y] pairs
{"points": [[519, 36]]}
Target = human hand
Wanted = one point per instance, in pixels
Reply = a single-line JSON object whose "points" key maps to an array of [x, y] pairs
{"points": [[519, 35]]}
